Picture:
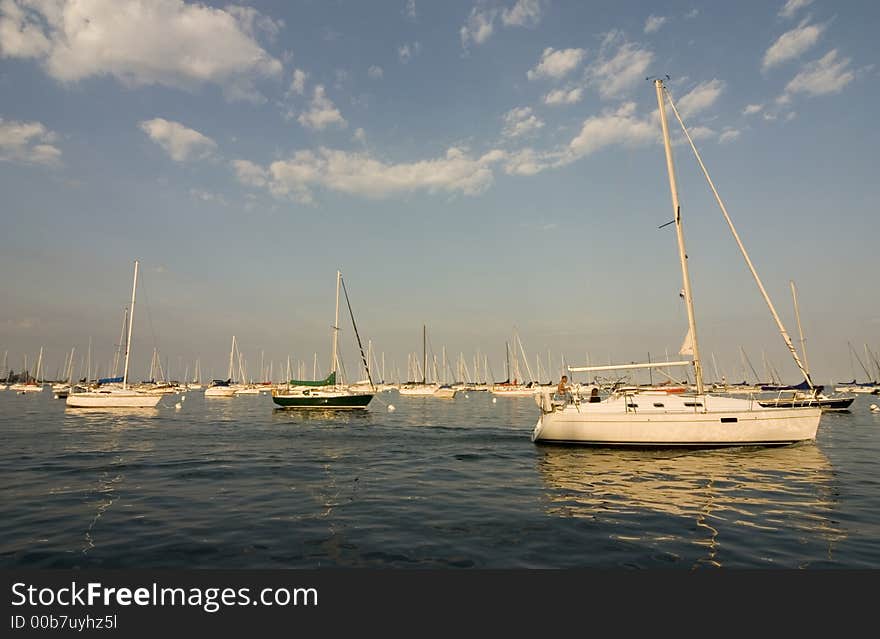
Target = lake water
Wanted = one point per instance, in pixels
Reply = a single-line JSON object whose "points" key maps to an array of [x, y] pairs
{"points": [[235, 483]]}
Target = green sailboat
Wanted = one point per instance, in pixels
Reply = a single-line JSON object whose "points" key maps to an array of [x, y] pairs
{"points": [[325, 394]]}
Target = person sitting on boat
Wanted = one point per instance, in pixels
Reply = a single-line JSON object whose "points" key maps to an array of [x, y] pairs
{"points": [[594, 395], [563, 390]]}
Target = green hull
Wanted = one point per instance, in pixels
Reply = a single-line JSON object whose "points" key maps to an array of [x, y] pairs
{"points": [[347, 402]]}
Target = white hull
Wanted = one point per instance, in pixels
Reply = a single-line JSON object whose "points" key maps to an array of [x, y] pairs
{"points": [[516, 391], [26, 388], [219, 391], [426, 390], [247, 390], [680, 421], [112, 399], [862, 390], [445, 393]]}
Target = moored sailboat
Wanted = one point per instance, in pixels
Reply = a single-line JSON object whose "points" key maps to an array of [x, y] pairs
{"points": [[116, 397], [326, 393], [633, 418]]}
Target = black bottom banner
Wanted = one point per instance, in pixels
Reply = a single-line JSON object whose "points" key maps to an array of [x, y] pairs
{"points": [[151, 603]]}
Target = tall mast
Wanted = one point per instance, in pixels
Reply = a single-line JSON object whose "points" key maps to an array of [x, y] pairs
{"points": [[425, 353], [682, 255], [797, 314], [335, 326], [130, 324], [231, 351], [779, 325]]}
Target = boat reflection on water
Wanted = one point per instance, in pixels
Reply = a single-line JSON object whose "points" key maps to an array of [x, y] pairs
{"points": [[328, 416], [734, 496]]}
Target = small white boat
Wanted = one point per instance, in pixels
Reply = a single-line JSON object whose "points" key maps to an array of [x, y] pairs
{"points": [[515, 390], [124, 397], [27, 388], [220, 388], [445, 392], [418, 390]]}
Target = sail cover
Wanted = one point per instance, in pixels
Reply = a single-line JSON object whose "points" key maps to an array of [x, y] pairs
{"points": [[330, 380]]}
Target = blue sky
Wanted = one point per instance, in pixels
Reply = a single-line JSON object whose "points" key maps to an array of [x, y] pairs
{"points": [[479, 167]]}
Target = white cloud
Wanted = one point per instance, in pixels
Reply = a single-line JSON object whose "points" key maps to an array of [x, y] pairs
{"points": [[250, 173], [298, 84], [563, 96], [478, 28], [693, 13], [480, 24], [322, 112], [527, 161], [520, 122], [556, 64], [616, 71], [792, 44], [697, 133], [207, 196], [700, 98], [361, 174], [653, 23], [141, 42], [751, 109], [180, 142], [22, 31], [406, 52], [613, 127], [525, 13], [360, 135], [820, 77], [375, 72], [27, 143], [793, 6], [253, 22], [410, 9]]}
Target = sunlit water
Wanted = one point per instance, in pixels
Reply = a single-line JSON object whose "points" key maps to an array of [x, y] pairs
{"points": [[233, 483]]}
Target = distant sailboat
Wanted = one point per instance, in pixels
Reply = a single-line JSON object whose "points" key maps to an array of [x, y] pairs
{"points": [[223, 387], [423, 388], [123, 397], [809, 396]]}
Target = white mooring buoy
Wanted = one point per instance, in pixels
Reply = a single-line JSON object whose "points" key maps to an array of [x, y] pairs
{"points": [[391, 408]]}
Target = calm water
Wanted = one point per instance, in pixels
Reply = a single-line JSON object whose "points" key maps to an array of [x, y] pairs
{"points": [[227, 483]]}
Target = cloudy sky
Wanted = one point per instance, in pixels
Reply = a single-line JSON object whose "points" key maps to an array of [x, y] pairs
{"points": [[481, 167]]}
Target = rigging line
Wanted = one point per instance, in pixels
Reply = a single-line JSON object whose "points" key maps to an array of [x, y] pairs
{"points": [[149, 317], [354, 325], [785, 337]]}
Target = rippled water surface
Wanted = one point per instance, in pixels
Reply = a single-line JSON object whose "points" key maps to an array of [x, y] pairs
{"points": [[234, 483]]}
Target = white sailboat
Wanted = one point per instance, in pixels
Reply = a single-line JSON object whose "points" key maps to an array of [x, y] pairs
{"points": [[30, 385], [223, 387], [123, 397], [651, 418], [423, 388]]}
